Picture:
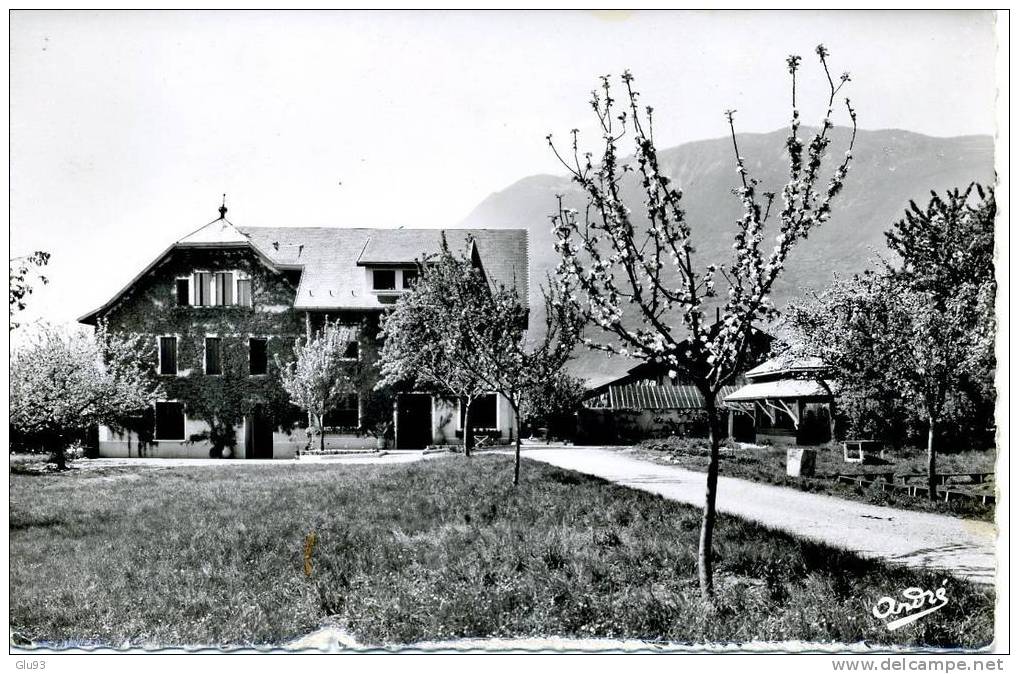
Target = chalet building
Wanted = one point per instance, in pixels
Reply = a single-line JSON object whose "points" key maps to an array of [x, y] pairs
{"points": [[786, 400], [222, 306]]}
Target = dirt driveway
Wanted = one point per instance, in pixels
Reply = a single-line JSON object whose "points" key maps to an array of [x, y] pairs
{"points": [[964, 548]]}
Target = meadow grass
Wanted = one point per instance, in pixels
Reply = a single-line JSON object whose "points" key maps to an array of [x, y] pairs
{"points": [[440, 549], [768, 464]]}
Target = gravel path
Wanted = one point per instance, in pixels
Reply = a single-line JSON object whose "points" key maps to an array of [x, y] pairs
{"points": [[964, 548]]}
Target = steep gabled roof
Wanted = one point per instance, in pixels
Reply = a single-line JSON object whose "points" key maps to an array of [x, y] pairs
{"points": [[220, 233], [329, 257], [333, 259]]}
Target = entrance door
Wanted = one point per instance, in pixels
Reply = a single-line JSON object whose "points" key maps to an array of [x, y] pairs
{"points": [[413, 421], [258, 435]]}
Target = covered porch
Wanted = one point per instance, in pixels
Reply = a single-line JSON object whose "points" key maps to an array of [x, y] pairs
{"points": [[782, 411]]}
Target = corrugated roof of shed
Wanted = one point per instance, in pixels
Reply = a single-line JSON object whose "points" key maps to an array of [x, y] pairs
{"points": [[640, 396]]}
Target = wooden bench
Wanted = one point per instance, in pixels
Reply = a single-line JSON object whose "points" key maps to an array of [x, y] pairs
{"points": [[912, 489], [974, 477], [945, 478], [950, 494]]}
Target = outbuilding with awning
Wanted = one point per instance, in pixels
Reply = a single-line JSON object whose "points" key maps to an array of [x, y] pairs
{"points": [[787, 400]]}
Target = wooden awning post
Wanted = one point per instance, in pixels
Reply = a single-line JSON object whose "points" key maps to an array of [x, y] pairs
{"points": [[795, 416]]}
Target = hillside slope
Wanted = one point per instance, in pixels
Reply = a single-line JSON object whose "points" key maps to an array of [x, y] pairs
{"points": [[889, 168]]}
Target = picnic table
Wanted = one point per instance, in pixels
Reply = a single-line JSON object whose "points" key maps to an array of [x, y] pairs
{"points": [[857, 451]]}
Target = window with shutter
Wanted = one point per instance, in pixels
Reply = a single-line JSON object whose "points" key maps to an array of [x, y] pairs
{"points": [[344, 415], [169, 421], [213, 355], [167, 355], [484, 412], [183, 292], [258, 360], [351, 351], [224, 288], [203, 289], [384, 279], [244, 292]]}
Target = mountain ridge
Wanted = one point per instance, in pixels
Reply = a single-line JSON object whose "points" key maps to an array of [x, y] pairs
{"points": [[890, 167]]}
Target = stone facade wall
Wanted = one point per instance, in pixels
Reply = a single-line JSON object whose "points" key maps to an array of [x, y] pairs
{"points": [[218, 407], [215, 405]]}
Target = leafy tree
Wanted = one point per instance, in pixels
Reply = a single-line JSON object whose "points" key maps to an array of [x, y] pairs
{"points": [[618, 266], [498, 351], [458, 333], [505, 360], [376, 401], [22, 270], [423, 336], [947, 244], [320, 375], [947, 251], [63, 384], [920, 336], [552, 403]]}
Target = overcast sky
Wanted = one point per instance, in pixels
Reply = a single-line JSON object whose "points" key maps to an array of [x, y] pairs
{"points": [[127, 127]]}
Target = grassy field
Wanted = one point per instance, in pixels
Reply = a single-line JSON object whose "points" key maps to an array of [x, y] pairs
{"points": [[440, 549], [768, 464]]}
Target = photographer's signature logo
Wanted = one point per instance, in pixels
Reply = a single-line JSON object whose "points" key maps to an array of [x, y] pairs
{"points": [[916, 602]]}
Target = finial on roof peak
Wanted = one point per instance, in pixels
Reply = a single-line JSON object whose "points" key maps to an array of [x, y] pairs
{"points": [[222, 209]]}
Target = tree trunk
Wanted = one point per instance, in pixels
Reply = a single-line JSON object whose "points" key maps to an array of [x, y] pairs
{"points": [[322, 432], [59, 457], [516, 454], [704, 571], [311, 425], [932, 469], [832, 427], [468, 436]]}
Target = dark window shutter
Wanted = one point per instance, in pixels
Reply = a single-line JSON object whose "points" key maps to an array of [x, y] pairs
{"points": [[169, 421], [183, 287], [484, 413], [213, 355], [258, 360], [167, 355], [352, 350]]}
